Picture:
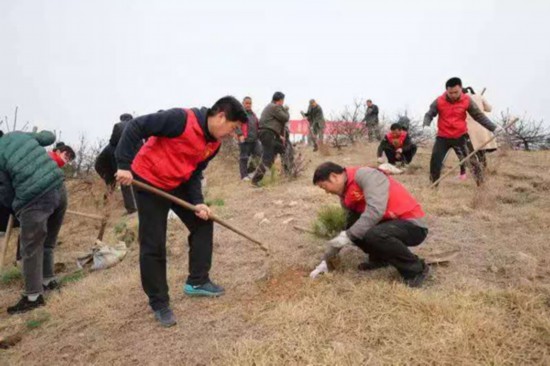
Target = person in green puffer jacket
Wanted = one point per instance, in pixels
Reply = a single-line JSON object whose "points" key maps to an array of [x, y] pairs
{"points": [[32, 184]]}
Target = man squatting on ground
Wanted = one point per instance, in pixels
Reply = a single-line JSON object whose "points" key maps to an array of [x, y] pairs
{"points": [[397, 145], [249, 145], [383, 219], [180, 144], [31, 183], [273, 120], [452, 129]]}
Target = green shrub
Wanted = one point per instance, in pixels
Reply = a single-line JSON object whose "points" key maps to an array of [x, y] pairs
{"points": [[215, 202], [330, 221], [10, 275], [73, 277], [38, 318]]}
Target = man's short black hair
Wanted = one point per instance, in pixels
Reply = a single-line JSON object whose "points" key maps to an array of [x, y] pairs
{"points": [[452, 82], [277, 96], [245, 98], [68, 150], [58, 145], [233, 109], [395, 126], [323, 171], [126, 117]]}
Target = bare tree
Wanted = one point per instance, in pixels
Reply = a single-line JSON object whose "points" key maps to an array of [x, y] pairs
{"points": [[81, 154], [415, 128], [526, 133], [348, 127]]}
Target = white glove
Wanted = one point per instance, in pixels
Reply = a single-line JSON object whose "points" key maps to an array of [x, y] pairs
{"points": [[380, 160], [321, 268], [340, 241]]}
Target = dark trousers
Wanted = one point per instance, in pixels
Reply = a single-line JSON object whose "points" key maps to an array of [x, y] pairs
{"points": [[41, 221], [406, 157], [462, 146], [247, 150], [271, 145], [389, 242], [129, 198], [153, 217]]}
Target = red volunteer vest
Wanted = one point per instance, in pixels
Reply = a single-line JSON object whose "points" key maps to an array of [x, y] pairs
{"points": [[168, 162], [401, 204], [60, 163], [397, 143], [452, 116]]}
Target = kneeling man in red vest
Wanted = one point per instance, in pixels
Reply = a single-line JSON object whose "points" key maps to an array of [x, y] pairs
{"points": [[180, 143], [384, 220]]}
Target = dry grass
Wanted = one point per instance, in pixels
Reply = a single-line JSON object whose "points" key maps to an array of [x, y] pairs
{"points": [[489, 306]]}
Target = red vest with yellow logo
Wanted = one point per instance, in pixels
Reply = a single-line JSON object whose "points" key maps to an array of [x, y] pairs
{"points": [[168, 162], [398, 142], [452, 116], [401, 204]]}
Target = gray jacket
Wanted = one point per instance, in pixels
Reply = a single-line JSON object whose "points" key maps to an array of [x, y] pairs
{"points": [[375, 185], [274, 117], [371, 117], [315, 117]]}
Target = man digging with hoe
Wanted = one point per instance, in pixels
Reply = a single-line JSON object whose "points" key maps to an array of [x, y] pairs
{"points": [[180, 144]]}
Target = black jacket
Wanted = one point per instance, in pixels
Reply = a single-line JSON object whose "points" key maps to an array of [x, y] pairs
{"points": [[171, 124]]}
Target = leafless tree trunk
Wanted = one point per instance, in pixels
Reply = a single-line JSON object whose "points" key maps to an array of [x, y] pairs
{"points": [[526, 133]]}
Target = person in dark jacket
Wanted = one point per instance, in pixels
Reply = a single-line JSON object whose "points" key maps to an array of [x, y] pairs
{"points": [[105, 164], [383, 220], [180, 144], [397, 146], [32, 184], [371, 121], [273, 120], [249, 144], [453, 106], [316, 121]]}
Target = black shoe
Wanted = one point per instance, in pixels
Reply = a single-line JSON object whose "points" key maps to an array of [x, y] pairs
{"points": [[165, 317], [418, 280], [52, 286], [370, 266], [25, 305]]}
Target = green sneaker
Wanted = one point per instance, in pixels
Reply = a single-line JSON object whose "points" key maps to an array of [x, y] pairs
{"points": [[209, 289]]}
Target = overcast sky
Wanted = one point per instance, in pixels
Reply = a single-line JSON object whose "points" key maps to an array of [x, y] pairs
{"points": [[76, 66]]}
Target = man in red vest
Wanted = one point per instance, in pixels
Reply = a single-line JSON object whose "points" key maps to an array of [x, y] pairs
{"points": [[397, 146], [180, 144], [383, 220], [452, 129]]}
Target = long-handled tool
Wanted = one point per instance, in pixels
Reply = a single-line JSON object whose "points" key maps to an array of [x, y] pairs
{"points": [[434, 184], [83, 214], [6, 241], [191, 207]]}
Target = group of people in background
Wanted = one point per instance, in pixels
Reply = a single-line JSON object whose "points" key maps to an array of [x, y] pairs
{"points": [[170, 149]]}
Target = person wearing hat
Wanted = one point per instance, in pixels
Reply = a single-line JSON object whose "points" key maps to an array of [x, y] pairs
{"points": [[316, 121], [105, 164], [273, 120]]}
